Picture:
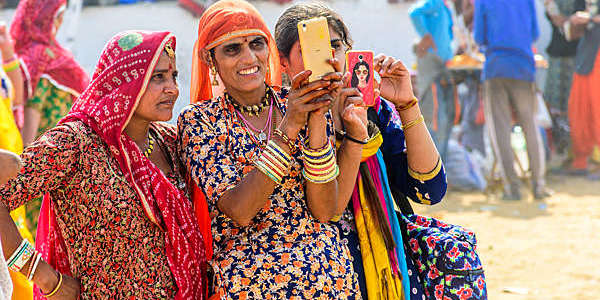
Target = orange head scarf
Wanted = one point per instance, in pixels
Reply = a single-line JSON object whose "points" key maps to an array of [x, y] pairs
{"points": [[221, 22]]}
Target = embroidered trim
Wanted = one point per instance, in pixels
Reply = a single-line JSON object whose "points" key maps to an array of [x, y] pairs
{"points": [[426, 176], [234, 34], [372, 146]]}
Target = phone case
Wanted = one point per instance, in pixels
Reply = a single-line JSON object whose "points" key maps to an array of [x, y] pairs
{"points": [[360, 66], [316, 47]]}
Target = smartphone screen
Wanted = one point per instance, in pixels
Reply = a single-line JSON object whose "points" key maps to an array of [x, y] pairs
{"points": [[360, 67], [315, 44]]}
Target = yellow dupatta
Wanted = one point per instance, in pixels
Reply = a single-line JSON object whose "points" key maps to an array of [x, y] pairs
{"points": [[380, 279], [10, 139]]}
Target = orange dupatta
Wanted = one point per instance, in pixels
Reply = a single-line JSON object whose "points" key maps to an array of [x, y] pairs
{"points": [[221, 22]]}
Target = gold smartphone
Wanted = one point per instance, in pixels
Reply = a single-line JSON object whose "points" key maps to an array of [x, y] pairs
{"points": [[316, 47]]}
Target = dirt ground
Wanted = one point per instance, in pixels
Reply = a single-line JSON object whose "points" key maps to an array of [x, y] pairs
{"points": [[532, 249]]}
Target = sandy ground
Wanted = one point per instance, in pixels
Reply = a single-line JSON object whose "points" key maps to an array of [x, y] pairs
{"points": [[542, 250], [532, 249]]}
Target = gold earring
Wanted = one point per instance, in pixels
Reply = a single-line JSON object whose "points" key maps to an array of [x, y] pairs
{"points": [[213, 71]]}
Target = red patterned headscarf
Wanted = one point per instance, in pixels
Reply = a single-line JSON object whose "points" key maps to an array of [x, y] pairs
{"points": [[40, 53], [107, 105]]}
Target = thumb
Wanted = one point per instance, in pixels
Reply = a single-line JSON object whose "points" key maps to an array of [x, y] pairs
{"points": [[346, 79]]}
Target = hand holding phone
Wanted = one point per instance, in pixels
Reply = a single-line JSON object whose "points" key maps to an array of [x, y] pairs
{"points": [[315, 44], [360, 67]]}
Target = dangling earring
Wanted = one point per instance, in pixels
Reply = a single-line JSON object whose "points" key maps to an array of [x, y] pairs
{"points": [[213, 72]]}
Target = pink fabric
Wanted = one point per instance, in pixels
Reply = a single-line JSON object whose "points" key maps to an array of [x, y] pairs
{"points": [[39, 51], [375, 170], [120, 79]]}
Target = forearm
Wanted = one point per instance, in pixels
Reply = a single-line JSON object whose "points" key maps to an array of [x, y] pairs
{"points": [[45, 277], [247, 198], [348, 157], [422, 155], [15, 76], [321, 198]]}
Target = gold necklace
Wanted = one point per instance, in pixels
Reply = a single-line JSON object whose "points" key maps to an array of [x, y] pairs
{"points": [[150, 148], [252, 110]]}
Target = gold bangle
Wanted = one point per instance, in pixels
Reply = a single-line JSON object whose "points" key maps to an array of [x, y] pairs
{"points": [[408, 105], [60, 281], [11, 66], [412, 123]]}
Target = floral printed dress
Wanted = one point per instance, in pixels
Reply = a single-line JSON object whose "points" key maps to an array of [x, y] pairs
{"points": [[113, 248], [285, 253]]}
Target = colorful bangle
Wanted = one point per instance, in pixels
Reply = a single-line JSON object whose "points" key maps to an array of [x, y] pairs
{"points": [[274, 162], [55, 290], [317, 152], [322, 179], [408, 105], [291, 143], [11, 65], [260, 166], [412, 123], [35, 264], [17, 252], [280, 152], [21, 256]]}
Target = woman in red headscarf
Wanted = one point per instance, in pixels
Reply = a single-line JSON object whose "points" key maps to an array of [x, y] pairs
{"points": [[270, 186], [116, 216], [53, 79]]}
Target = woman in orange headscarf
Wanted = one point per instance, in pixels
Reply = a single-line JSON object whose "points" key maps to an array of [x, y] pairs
{"points": [[269, 199]]}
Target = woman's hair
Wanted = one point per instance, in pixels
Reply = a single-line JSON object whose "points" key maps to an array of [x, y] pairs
{"points": [[354, 81], [286, 30]]}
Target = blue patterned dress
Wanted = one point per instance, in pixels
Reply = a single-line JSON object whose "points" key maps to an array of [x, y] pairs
{"points": [[285, 253]]}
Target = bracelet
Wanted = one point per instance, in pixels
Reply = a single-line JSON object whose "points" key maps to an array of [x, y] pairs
{"points": [[20, 248], [273, 162], [408, 105], [318, 151], [11, 65], [323, 179], [354, 140], [412, 123], [21, 256], [55, 290], [291, 143], [34, 268]]}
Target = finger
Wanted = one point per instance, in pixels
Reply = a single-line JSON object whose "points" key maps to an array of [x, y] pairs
{"points": [[398, 66], [346, 79], [310, 107], [355, 100], [333, 76], [335, 85], [300, 78], [312, 96], [376, 93], [313, 86], [385, 68], [377, 61], [336, 64]]}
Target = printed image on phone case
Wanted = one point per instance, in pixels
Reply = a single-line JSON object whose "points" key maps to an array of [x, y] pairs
{"points": [[360, 66]]}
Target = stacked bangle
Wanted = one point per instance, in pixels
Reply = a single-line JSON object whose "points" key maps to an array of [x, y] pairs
{"points": [[320, 165], [412, 123], [11, 65], [286, 139], [21, 256], [55, 290], [274, 162], [33, 266], [408, 105]]}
